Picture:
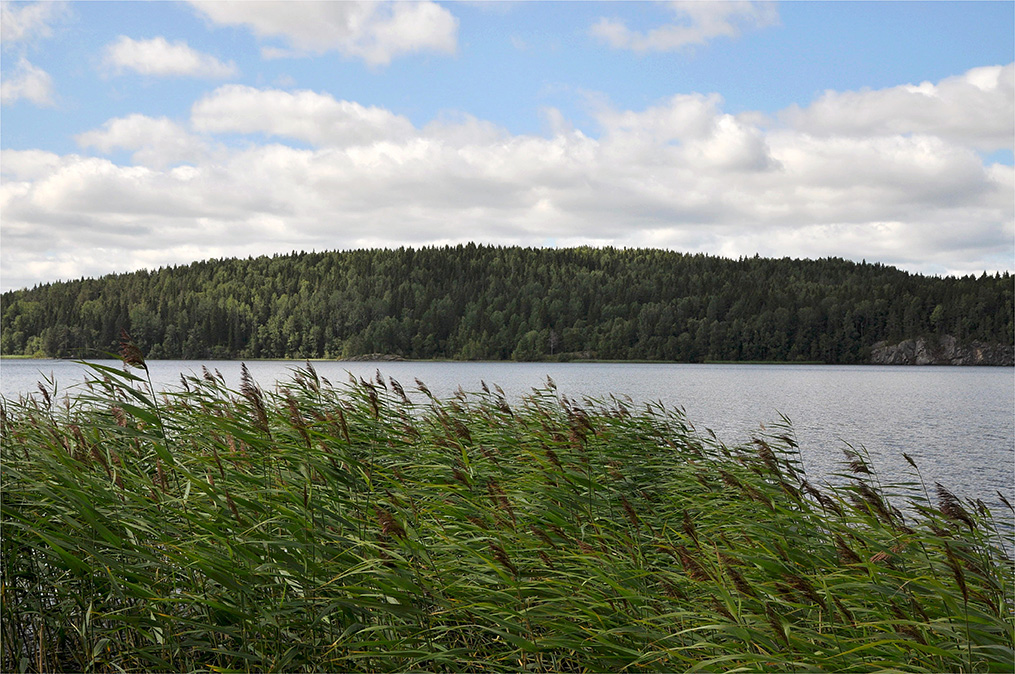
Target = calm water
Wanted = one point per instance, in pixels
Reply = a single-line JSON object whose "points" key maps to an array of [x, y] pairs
{"points": [[957, 423]]}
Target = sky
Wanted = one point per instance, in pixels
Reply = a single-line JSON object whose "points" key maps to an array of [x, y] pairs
{"points": [[145, 134]]}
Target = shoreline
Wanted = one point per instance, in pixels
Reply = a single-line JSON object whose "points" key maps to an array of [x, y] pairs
{"points": [[378, 358]]}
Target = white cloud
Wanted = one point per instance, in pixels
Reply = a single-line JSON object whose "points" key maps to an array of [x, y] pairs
{"points": [[976, 108], [30, 165], [697, 22], [156, 143], [690, 129], [26, 22], [27, 82], [373, 31], [315, 118], [682, 173], [161, 58], [20, 26], [457, 130]]}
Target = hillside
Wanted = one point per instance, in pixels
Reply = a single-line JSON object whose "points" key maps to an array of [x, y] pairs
{"points": [[484, 302]]}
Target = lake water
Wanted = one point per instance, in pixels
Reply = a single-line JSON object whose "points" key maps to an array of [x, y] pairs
{"points": [[958, 424]]}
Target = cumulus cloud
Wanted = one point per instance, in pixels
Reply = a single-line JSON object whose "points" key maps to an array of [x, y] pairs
{"points": [[373, 31], [27, 82], [162, 58], [695, 23], [20, 26], [688, 129], [976, 108], [21, 23], [682, 173], [155, 142], [315, 118]]}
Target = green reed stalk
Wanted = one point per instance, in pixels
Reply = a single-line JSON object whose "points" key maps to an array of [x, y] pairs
{"points": [[323, 528]]}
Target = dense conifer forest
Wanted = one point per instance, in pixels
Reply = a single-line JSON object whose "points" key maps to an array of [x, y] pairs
{"points": [[499, 303]]}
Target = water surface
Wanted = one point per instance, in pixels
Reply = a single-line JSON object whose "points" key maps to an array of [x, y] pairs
{"points": [[957, 423]]}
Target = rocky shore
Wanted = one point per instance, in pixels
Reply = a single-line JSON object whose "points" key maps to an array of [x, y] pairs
{"points": [[945, 350], [367, 357]]}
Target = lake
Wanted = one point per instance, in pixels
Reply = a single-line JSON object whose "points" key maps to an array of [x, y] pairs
{"points": [[957, 423]]}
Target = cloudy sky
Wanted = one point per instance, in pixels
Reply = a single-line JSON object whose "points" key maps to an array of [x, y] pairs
{"points": [[149, 134]]}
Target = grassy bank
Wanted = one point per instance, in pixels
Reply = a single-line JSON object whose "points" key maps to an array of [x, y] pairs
{"points": [[318, 527]]}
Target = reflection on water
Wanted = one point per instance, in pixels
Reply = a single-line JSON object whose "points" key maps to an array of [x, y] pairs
{"points": [[958, 424]]}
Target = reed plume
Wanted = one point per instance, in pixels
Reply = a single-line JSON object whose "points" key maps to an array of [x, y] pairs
{"points": [[951, 508], [450, 535], [130, 353]]}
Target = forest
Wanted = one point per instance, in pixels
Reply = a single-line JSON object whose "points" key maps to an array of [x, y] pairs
{"points": [[474, 302]]}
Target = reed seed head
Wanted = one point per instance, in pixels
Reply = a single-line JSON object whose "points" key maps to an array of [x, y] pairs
{"points": [[130, 353], [389, 526], [951, 508], [1005, 501], [502, 557], [691, 566]]}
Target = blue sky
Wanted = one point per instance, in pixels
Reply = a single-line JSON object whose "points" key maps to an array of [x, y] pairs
{"points": [[144, 134]]}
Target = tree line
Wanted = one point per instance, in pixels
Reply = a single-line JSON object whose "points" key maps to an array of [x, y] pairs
{"points": [[500, 303]]}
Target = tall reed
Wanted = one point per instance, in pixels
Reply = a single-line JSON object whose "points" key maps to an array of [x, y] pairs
{"points": [[316, 527]]}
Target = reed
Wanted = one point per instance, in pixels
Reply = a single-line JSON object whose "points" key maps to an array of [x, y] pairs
{"points": [[315, 527]]}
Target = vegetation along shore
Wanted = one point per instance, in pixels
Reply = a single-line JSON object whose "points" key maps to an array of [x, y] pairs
{"points": [[323, 527], [502, 303]]}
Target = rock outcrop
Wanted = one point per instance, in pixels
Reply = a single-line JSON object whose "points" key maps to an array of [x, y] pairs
{"points": [[946, 350], [370, 357]]}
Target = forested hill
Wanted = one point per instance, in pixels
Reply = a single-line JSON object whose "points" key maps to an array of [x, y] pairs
{"points": [[479, 302]]}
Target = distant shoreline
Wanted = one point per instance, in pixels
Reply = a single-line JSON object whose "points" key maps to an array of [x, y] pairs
{"points": [[400, 359]]}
